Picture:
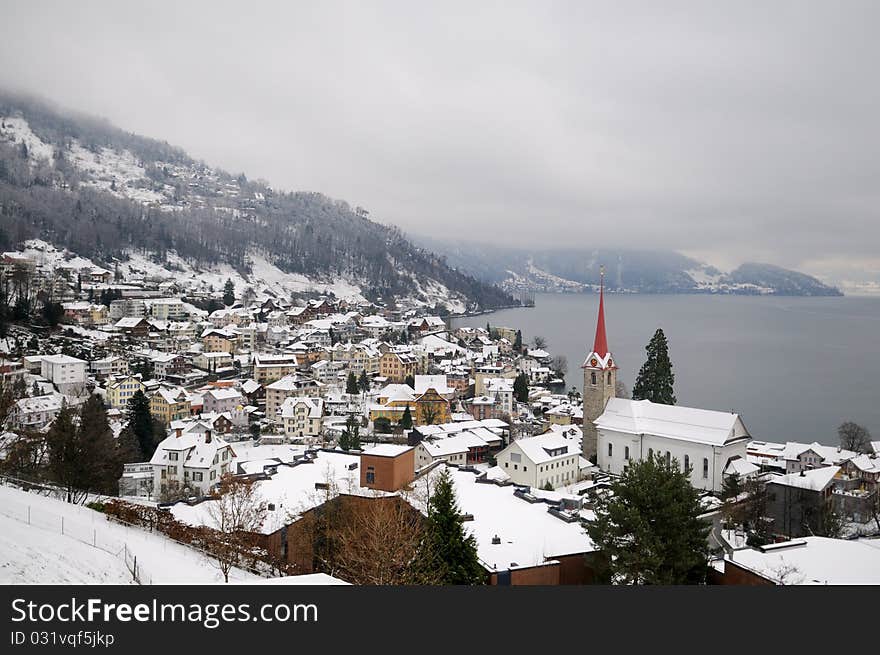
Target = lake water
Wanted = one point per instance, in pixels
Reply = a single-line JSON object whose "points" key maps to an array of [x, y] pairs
{"points": [[794, 368]]}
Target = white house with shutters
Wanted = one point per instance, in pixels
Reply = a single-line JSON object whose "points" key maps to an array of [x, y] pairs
{"points": [[195, 459], [302, 417], [703, 440], [538, 461]]}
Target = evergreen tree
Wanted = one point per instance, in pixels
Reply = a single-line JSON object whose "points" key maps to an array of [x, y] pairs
{"points": [[19, 388], [128, 449], [406, 421], [410, 381], [447, 548], [517, 341], [52, 312], [521, 388], [731, 486], [142, 425], [98, 448], [656, 379], [648, 526], [363, 382], [229, 293], [351, 385], [66, 466], [352, 426]]}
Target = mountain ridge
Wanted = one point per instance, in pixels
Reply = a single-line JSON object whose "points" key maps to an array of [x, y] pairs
{"points": [[627, 271]]}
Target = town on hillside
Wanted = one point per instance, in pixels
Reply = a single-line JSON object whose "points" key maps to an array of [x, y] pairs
{"points": [[318, 438]]}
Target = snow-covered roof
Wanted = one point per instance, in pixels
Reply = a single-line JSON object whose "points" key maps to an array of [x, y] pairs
{"points": [[529, 535], [867, 463], [314, 405], [671, 421], [435, 382], [387, 450], [815, 560], [62, 359], [292, 490], [223, 393], [741, 467], [812, 479], [829, 454], [539, 448]]}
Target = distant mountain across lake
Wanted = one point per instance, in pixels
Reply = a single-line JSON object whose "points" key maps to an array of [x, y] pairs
{"points": [[627, 271]]}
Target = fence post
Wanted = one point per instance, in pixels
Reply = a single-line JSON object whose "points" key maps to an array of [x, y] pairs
{"points": [[135, 574], [95, 537], [62, 525], [29, 514]]}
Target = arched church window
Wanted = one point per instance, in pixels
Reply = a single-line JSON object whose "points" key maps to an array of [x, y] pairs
{"points": [[687, 464], [609, 377], [626, 453], [593, 378], [610, 449], [705, 467]]}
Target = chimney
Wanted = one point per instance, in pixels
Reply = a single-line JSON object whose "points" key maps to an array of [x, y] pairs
{"points": [[178, 432], [207, 436]]}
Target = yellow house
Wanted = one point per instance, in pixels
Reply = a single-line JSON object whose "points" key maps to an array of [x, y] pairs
{"points": [[393, 401], [219, 341], [99, 314], [120, 390], [170, 405], [432, 409], [396, 366]]}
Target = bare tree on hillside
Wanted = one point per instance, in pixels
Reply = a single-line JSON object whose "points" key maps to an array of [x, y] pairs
{"points": [[236, 514]]}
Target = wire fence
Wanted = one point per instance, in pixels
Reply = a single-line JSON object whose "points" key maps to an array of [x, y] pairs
{"points": [[85, 528]]}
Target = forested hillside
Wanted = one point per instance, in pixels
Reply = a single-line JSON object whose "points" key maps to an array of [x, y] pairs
{"points": [[81, 183]]}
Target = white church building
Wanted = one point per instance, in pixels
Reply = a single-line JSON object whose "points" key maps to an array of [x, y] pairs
{"points": [[617, 431], [702, 440]]}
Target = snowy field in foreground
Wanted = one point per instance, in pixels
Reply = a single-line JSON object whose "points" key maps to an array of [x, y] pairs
{"points": [[38, 553]]}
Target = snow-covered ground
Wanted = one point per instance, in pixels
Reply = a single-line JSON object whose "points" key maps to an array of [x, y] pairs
{"points": [[33, 548], [17, 130], [35, 555]]}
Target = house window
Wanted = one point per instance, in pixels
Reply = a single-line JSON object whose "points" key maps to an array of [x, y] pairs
{"points": [[705, 467], [610, 449], [172, 457], [371, 475]]}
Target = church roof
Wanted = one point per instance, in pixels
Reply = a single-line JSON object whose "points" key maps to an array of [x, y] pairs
{"points": [[600, 357], [671, 421], [600, 343]]}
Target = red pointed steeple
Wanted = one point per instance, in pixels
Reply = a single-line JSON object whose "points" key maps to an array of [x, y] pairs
{"points": [[600, 343]]}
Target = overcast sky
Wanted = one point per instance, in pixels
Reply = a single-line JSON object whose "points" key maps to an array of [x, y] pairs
{"points": [[728, 130]]}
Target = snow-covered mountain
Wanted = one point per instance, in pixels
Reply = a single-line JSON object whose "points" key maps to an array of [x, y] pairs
{"points": [[116, 198], [627, 271]]}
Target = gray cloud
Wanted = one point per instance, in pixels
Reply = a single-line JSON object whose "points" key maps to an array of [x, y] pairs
{"points": [[732, 130]]}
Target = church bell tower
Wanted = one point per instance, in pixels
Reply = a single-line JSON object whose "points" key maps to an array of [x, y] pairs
{"points": [[600, 377]]}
